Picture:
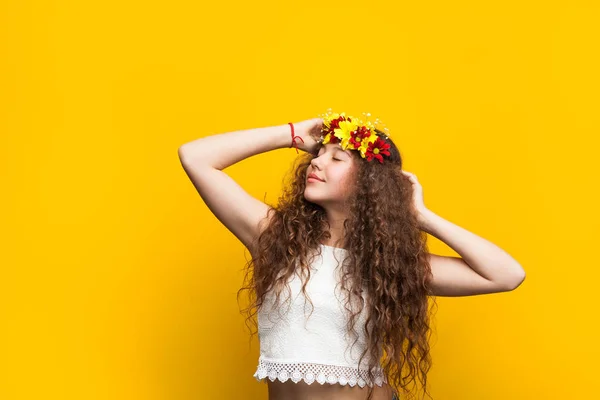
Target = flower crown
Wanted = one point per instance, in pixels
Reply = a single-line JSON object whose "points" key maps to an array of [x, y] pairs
{"points": [[354, 134]]}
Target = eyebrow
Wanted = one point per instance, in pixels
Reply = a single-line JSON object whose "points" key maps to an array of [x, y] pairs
{"points": [[335, 148]]}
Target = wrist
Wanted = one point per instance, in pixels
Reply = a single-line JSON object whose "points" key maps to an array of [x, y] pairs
{"points": [[426, 219], [282, 136], [295, 139]]}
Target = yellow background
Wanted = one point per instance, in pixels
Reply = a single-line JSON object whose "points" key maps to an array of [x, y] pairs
{"points": [[118, 283]]}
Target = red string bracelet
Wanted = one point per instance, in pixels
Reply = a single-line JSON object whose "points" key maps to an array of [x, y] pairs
{"points": [[294, 137]]}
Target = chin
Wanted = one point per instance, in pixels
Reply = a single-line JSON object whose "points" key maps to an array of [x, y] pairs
{"points": [[311, 198]]}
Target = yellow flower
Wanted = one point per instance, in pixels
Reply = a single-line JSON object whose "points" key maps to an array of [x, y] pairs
{"points": [[343, 132], [365, 143], [331, 117]]}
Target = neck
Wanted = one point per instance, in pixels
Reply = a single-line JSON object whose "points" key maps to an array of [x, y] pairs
{"points": [[336, 227]]}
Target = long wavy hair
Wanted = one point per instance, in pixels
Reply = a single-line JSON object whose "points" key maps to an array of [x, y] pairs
{"points": [[386, 255]]}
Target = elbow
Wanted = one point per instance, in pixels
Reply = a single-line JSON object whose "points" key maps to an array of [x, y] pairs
{"points": [[194, 153], [181, 152], [516, 281], [184, 153]]}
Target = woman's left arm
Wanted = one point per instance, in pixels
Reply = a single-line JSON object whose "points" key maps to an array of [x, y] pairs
{"points": [[483, 266]]}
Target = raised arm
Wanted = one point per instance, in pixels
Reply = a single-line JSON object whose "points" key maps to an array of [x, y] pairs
{"points": [[203, 161]]}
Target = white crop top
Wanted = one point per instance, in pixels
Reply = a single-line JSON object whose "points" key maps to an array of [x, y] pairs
{"points": [[298, 345]]}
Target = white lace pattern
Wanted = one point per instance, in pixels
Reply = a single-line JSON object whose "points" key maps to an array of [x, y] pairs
{"points": [[311, 372]]}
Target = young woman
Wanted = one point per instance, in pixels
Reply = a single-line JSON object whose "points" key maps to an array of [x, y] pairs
{"points": [[349, 235]]}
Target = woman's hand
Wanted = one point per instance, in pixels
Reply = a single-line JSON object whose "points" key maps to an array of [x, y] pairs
{"points": [[309, 132], [418, 203]]}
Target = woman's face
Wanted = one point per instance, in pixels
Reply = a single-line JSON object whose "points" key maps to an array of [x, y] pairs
{"points": [[336, 167]]}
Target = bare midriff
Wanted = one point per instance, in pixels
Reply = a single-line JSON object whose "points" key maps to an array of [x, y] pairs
{"points": [[315, 391]]}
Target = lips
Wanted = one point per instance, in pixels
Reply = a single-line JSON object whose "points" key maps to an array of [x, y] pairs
{"points": [[315, 177]]}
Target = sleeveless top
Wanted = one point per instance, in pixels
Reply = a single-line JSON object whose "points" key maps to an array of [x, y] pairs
{"points": [[297, 345]]}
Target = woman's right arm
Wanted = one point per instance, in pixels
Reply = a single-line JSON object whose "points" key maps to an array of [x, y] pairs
{"points": [[203, 161]]}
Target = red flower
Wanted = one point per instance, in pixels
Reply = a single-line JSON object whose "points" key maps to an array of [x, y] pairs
{"points": [[333, 139], [356, 137], [334, 124], [376, 149]]}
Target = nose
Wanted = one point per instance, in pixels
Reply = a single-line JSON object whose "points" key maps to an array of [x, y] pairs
{"points": [[315, 163]]}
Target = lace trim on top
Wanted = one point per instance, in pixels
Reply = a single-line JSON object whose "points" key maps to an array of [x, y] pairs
{"points": [[310, 372]]}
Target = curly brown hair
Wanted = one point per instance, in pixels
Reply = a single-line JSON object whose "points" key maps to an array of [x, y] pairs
{"points": [[386, 254]]}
